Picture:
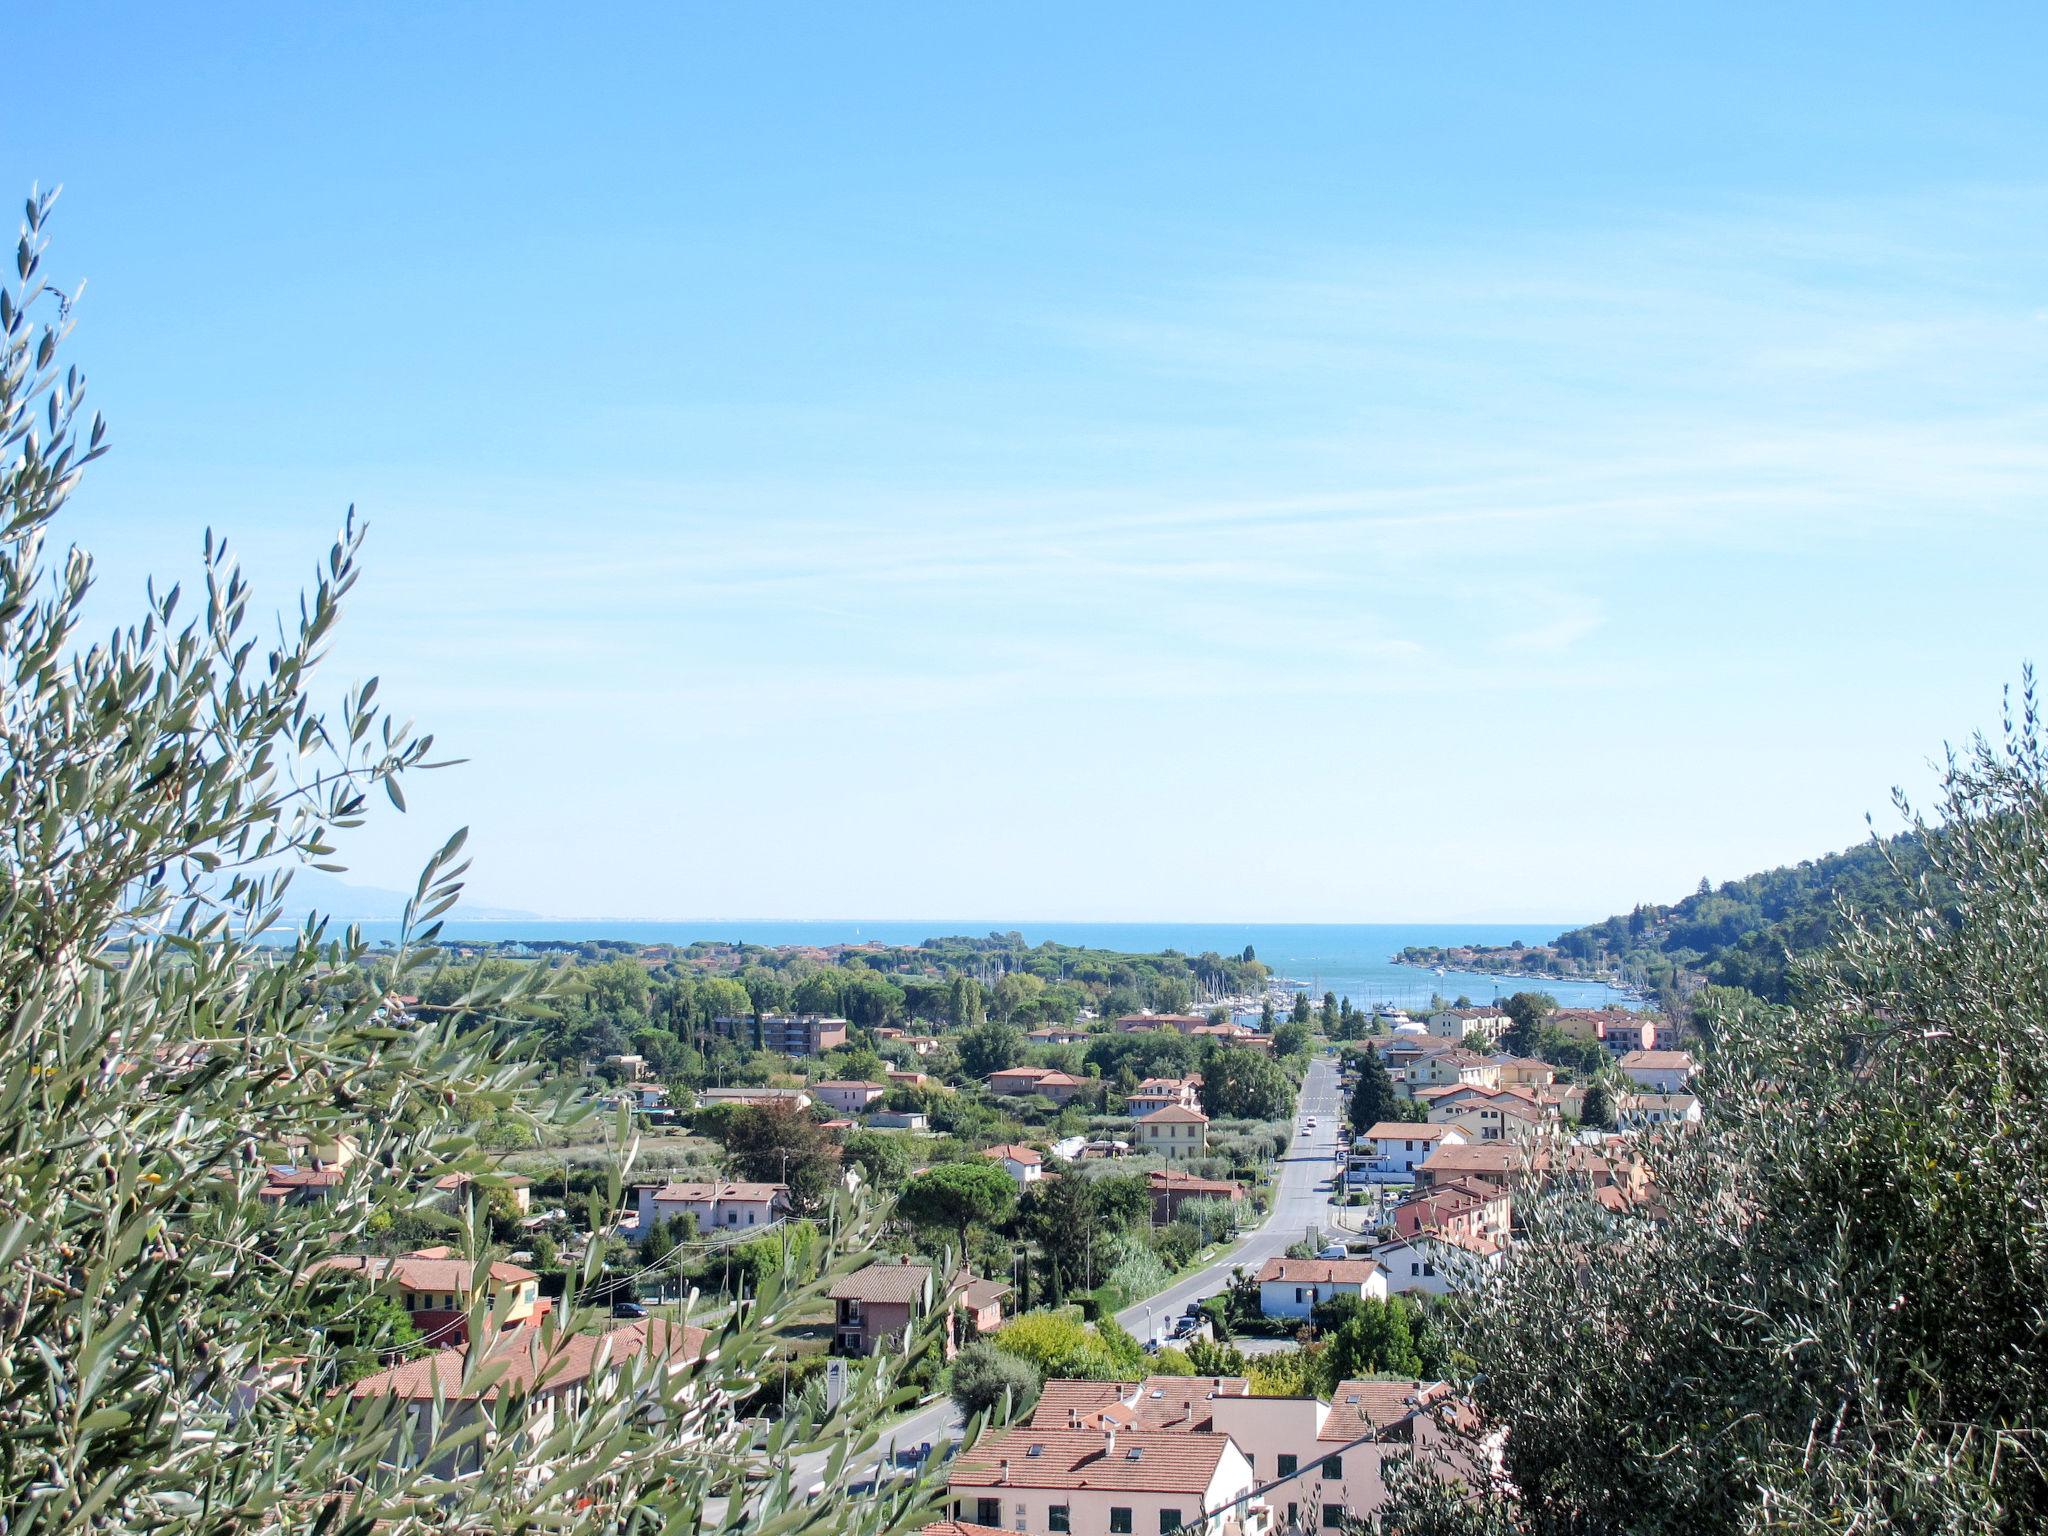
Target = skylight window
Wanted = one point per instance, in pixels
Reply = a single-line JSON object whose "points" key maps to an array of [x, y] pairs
{"points": [[1135, 1453]]}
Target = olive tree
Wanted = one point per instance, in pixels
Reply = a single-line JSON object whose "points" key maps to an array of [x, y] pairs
{"points": [[1833, 1313], [162, 1365]]}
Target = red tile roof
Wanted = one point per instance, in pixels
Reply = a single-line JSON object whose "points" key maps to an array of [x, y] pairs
{"points": [[1177, 1114], [1015, 1153], [884, 1282], [1318, 1271], [1357, 1408], [429, 1269], [1140, 1461], [710, 1193], [529, 1364]]}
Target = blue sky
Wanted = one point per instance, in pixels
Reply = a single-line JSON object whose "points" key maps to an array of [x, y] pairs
{"points": [[1164, 462]]}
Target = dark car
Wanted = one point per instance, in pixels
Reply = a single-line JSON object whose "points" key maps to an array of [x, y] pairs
{"points": [[628, 1309]]}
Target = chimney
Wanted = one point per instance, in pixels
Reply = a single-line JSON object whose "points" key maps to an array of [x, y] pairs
{"points": [[1073, 1418], [1003, 1470], [1109, 1442]]}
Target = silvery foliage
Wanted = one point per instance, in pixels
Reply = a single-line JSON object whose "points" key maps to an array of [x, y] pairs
{"points": [[1834, 1316], [158, 784]]}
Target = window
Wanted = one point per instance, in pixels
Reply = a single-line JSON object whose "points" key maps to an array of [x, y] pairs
{"points": [[1333, 1517], [1333, 1468], [1119, 1521], [988, 1511], [1169, 1521], [1293, 1516], [1056, 1520], [1289, 1465]]}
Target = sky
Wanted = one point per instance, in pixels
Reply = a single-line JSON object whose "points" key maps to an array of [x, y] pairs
{"points": [[1166, 462]]}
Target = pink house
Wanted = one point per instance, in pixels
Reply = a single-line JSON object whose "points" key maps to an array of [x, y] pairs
{"points": [[849, 1098]]}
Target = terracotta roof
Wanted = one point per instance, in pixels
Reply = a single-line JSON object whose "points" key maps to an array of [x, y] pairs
{"points": [[1177, 1114], [721, 1189], [529, 1364], [1357, 1408], [1458, 1056], [1318, 1271], [850, 1083], [981, 1293], [1061, 1400], [430, 1269], [1141, 1461], [1177, 1403], [1405, 1130], [961, 1528], [883, 1282], [1658, 1060], [1173, 1178], [1015, 1153]]}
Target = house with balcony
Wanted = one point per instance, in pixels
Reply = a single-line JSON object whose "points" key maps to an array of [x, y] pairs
{"points": [[1665, 1072], [718, 1204], [1445, 1069], [1398, 1148], [1157, 1093], [1455, 1024], [1653, 1111], [793, 1034]]}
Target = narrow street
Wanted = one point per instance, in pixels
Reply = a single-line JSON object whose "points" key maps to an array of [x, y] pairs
{"points": [[1301, 1200]]}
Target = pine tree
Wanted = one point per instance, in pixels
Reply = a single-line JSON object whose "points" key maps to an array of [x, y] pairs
{"points": [[1373, 1100]]}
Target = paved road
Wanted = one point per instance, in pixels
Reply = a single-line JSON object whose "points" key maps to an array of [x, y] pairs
{"points": [[1301, 1200]]}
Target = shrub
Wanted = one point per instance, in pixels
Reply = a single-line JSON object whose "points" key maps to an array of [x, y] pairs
{"points": [[982, 1374]]}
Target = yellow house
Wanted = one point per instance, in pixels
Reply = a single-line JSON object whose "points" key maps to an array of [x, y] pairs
{"points": [[1175, 1132], [1453, 1068]]}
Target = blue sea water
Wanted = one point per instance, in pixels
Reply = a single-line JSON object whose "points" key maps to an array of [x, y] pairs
{"points": [[1350, 959]]}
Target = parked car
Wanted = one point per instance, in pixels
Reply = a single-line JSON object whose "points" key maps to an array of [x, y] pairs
{"points": [[1333, 1251], [628, 1309]]}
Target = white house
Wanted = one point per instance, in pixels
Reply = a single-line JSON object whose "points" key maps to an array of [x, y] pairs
{"points": [[718, 1205], [1399, 1147], [1021, 1163], [1645, 1111], [1107, 1482], [1436, 1263], [1456, 1023], [1293, 1287], [1659, 1071], [1303, 1450]]}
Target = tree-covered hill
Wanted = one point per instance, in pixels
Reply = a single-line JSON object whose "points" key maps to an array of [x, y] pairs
{"points": [[1741, 932]]}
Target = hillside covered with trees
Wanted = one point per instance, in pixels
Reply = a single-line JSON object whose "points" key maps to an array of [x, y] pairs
{"points": [[1740, 933]]}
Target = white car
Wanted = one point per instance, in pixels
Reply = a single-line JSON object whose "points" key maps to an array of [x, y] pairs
{"points": [[1311, 1122]]}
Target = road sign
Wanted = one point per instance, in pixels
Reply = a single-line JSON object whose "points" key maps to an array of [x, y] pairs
{"points": [[835, 1383]]}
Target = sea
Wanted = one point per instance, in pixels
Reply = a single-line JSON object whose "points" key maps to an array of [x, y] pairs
{"points": [[1353, 960]]}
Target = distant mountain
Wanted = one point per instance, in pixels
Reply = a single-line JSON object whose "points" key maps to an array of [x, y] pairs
{"points": [[314, 890]]}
